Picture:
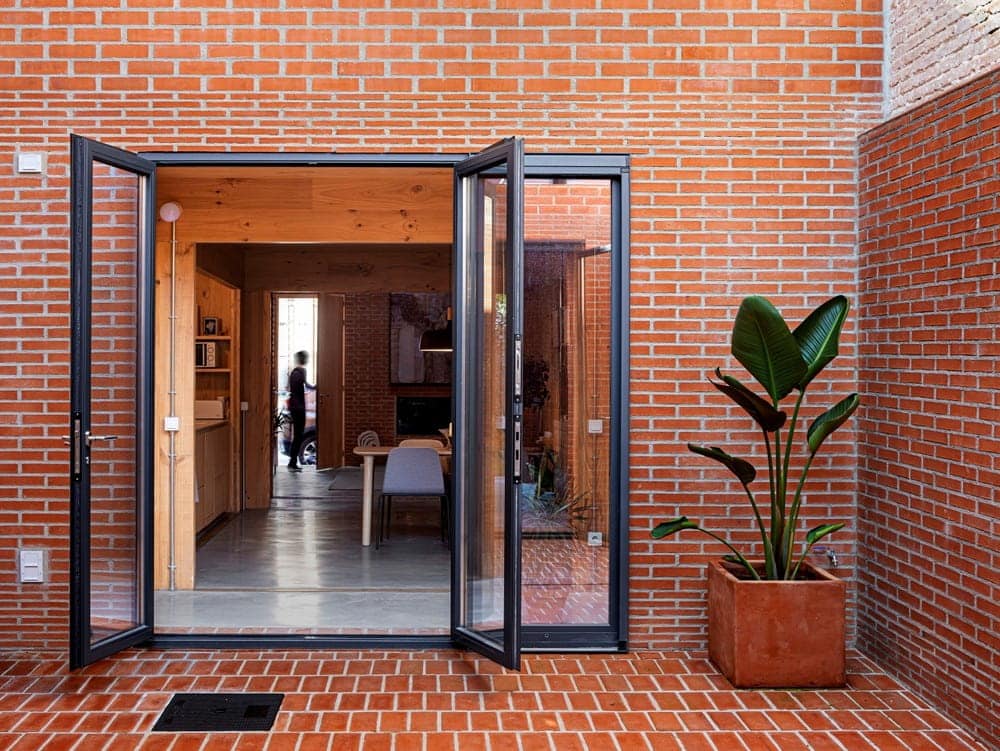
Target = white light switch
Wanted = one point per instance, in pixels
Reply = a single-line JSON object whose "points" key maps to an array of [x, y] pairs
{"points": [[595, 426], [31, 163], [171, 424], [31, 565]]}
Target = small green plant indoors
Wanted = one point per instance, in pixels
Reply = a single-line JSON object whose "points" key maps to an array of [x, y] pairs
{"points": [[782, 361]]}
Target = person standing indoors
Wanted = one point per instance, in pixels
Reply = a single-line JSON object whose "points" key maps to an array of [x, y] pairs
{"points": [[297, 386]]}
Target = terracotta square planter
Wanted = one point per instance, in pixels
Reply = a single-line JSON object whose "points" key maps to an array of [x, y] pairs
{"points": [[777, 634]]}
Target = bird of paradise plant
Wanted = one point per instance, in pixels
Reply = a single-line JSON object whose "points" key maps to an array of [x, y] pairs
{"points": [[782, 361]]}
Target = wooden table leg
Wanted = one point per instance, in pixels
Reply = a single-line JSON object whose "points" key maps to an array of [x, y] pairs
{"points": [[367, 491]]}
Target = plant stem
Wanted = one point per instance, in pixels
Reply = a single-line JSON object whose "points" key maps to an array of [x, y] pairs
{"points": [[777, 504], [793, 515], [769, 564], [739, 556], [783, 550]]}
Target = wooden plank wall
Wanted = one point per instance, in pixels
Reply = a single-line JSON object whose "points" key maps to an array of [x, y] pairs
{"points": [[183, 357]]}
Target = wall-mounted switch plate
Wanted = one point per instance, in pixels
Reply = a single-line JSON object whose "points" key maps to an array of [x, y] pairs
{"points": [[31, 566], [171, 424], [595, 427], [595, 538], [30, 163]]}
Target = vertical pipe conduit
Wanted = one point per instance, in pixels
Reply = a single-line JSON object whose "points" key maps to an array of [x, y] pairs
{"points": [[171, 212]]}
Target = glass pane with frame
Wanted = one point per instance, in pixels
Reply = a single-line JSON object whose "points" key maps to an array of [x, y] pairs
{"points": [[566, 488], [115, 593]]}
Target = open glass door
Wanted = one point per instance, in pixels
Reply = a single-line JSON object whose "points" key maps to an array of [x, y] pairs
{"points": [[486, 569], [111, 406]]}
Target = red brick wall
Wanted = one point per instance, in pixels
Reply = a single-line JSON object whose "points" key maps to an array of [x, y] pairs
{"points": [[369, 397], [369, 402], [929, 509], [741, 118]]}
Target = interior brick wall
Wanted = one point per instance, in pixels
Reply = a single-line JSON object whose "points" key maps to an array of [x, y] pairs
{"points": [[369, 397], [741, 118], [369, 402], [929, 511], [934, 46]]}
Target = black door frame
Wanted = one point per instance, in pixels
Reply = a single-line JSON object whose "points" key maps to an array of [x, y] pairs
{"points": [[556, 638], [84, 153]]}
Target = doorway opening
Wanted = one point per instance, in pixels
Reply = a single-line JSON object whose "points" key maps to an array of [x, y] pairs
{"points": [[373, 238]]}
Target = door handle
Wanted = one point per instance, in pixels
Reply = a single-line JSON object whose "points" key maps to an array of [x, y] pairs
{"points": [[89, 438]]}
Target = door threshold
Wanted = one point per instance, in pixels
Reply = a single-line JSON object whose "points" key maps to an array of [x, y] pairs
{"points": [[304, 641]]}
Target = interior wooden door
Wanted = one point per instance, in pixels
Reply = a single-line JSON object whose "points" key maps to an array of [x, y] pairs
{"points": [[330, 382]]}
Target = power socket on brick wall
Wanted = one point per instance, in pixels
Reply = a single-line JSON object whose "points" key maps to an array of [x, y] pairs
{"points": [[31, 565]]}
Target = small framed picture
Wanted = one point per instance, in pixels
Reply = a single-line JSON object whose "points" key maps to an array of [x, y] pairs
{"points": [[210, 326]]}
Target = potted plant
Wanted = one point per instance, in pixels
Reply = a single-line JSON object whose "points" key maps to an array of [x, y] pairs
{"points": [[779, 620]]}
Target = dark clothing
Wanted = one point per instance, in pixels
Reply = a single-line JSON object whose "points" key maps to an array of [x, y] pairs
{"points": [[297, 410], [297, 389], [298, 430]]}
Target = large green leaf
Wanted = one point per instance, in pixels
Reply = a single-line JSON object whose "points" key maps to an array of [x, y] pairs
{"points": [[816, 534], [819, 334], [764, 346], [743, 469], [673, 526], [830, 420], [769, 418]]}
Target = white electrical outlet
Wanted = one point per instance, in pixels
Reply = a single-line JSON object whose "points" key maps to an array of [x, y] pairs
{"points": [[595, 538], [29, 163], [171, 424], [31, 566]]}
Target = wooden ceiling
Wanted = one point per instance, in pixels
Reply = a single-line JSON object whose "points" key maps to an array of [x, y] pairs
{"points": [[378, 206]]}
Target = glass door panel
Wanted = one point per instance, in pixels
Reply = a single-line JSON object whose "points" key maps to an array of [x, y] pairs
{"points": [[486, 611], [110, 488], [566, 485]]}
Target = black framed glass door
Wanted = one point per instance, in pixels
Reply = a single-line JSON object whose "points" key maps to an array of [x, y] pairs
{"points": [[111, 407], [486, 568]]}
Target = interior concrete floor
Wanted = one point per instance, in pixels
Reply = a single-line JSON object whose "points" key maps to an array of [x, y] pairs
{"points": [[299, 567]]}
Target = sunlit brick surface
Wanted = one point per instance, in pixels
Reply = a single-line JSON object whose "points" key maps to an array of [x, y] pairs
{"points": [[452, 700]]}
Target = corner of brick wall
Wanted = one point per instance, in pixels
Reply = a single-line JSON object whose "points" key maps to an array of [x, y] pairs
{"points": [[929, 501]]}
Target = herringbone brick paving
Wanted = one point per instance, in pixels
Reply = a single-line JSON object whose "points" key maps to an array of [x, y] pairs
{"points": [[450, 700]]}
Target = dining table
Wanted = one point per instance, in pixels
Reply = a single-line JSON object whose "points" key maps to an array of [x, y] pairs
{"points": [[369, 454]]}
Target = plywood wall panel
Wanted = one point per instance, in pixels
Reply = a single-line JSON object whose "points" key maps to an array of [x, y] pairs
{"points": [[349, 269], [312, 204]]}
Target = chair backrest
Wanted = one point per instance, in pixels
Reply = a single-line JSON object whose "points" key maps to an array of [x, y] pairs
{"points": [[368, 438], [413, 470], [429, 443]]}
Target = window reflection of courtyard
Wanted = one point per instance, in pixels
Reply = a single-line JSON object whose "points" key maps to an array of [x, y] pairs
{"points": [[563, 581]]}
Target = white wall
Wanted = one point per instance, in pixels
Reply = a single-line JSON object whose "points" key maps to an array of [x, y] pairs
{"points": [[935, 45]]}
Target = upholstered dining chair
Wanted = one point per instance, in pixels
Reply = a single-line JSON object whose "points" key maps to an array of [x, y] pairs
{"points": [[411, 471], [431, 443]]}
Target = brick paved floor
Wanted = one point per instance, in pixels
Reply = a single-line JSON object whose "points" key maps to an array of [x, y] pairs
{"points": [[439, 700]]}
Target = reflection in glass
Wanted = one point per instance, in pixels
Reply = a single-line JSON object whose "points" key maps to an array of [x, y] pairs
{"points": [[114, 557], [484, 530], [565, 495]]}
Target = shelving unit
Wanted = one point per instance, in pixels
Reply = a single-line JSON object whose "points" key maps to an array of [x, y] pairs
{"points": [[217, 488]]}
